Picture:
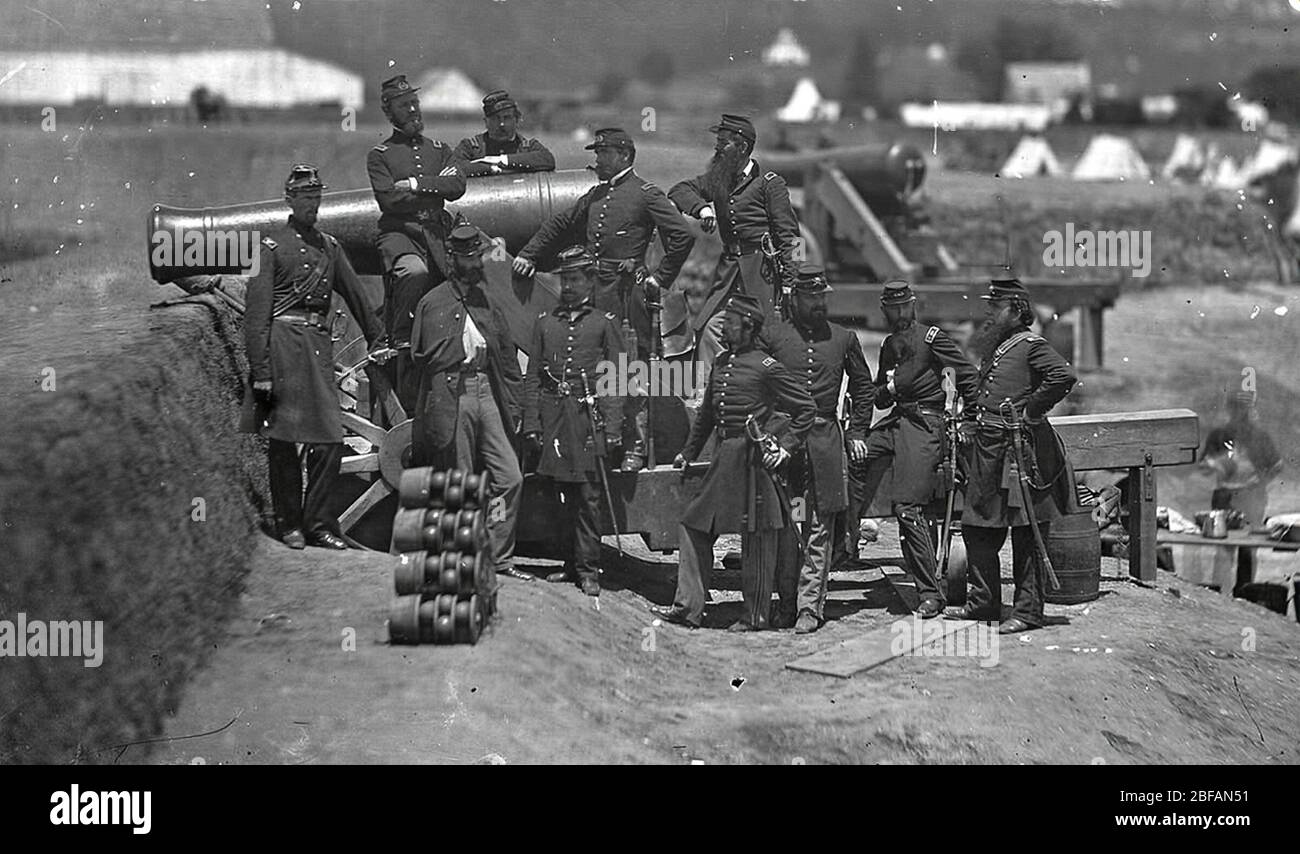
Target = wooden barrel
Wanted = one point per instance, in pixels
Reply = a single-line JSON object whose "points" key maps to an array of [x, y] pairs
{"points": [[1074, 545]]}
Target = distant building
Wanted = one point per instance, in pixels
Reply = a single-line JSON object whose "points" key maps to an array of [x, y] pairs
{"points": [[806, 104], [785, 50], [449, 91], [156, 53], [1046, 82], [951, 116]]}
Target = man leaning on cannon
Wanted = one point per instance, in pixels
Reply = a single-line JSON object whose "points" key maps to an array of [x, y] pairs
{"points": [[740, 492], [1023, 486], [413, 177], [501, 148], [291, 360]]}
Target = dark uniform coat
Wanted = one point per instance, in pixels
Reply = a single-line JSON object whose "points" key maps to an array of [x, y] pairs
{"points": [[820, 357], [616, 222], [914, 431], [567, 342], [405, 214], [525, 155], [744, 383], [759, 204], [296, 357], [1034, 377], [437, 349]]}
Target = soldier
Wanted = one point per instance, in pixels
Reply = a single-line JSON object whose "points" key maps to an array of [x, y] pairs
{"points": [[291, 360], [739, 492], [570, 341], [617, 217], [820, 354], [467, 411], [502, 148], [1021, 368], [909, 376], [413, 177], [752, 210]]}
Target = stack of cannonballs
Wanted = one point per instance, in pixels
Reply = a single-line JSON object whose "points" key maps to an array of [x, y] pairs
{"points": [[444, 577]]}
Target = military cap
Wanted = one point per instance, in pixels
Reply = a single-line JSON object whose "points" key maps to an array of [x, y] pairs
{"points": [[464, 240], [897, 292], [303, 176], [496, 101], [811, 279], [736, 124], [574, 258], [1005, 286], [612, 138], [745, 306], [395, 86]]}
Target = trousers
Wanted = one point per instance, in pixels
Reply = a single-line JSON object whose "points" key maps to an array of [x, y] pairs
{"points": [[406, 283], [985, 571], [758, 555], [580, 536], [482, 444], [801, 584], [295, 510]]}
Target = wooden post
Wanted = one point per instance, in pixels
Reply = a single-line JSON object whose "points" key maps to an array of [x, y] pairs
{"points": [[1142, 522], [1089, 338]]}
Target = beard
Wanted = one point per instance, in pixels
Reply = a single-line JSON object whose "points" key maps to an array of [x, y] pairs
{"points": [[720, 174], [900, 342], [992, 333], [412, 126]]}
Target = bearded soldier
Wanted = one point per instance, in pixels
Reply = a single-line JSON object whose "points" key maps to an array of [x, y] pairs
{"points": [[573, 340], [751, 210], [413, 177], [291, 359], [467, 412], [820, 354], [739, 492], [1020, 377], [909, 377], [616, 218], [501, 148]]}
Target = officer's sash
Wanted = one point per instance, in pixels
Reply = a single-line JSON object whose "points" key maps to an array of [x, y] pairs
{"points": [[306, 286]]}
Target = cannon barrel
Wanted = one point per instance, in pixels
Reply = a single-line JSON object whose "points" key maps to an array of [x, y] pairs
{"points": [[511, 207], [885, 174]]}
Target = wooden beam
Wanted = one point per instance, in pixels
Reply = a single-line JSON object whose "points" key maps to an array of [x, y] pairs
{"points": [[1117, 440]]}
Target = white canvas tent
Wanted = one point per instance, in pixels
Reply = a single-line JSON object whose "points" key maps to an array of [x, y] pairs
{"points": [[1224, 175], [1187, 161], [806, 104], [449, 91], [1111, 158], [1269, 157], [1032, 157]]}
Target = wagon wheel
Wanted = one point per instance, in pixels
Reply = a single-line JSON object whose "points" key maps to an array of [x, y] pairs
{"points": [[389, 455]]}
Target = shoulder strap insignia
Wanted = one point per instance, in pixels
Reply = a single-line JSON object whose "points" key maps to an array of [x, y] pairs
{"points": [[268, 243], [771, 176], [611, 316], [648, 186], [330, 239], [769, 362], [380, 147], [931, 334], [541, 316]]}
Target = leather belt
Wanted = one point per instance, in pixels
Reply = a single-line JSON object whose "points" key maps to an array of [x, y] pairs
{"points": [[611, 265], [724, 433], [298, 315], [561, 388], [470, 371], [743, 247]]}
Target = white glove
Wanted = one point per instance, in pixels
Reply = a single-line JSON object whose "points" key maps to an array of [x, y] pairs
{"points": [[772, 459]]}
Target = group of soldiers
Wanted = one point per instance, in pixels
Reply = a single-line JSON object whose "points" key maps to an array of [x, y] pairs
{"points": [[773, 362]]}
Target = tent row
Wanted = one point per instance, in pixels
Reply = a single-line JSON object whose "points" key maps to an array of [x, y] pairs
{"points": [[1114, 158]]}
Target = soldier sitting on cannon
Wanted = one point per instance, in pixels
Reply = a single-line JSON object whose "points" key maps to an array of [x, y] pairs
{"points": [[501, 148]]}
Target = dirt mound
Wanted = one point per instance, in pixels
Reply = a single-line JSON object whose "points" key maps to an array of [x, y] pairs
{"points": [[124, 495]]}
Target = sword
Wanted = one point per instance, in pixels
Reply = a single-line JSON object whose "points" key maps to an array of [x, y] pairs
{"points": [[1008, 413], [952, 412], [766, 443], [597, 420]]}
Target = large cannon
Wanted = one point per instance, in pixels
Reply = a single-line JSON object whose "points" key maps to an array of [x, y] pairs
{"points": [[509, 207], [885, 175]]}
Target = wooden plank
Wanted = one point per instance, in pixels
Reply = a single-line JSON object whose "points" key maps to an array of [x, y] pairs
{"points": [[359, 463], [1248, 541], [1142, 524], [1117, 440], [903, 637]]}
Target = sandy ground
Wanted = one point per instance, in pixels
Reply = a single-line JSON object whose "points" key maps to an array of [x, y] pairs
{"points": [[1170, 674]]}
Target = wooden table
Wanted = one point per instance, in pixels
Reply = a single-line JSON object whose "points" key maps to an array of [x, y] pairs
{"points": [[1238, 564]]}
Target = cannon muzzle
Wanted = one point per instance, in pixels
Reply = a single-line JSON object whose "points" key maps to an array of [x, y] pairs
{"points": [[511, 207], [885, 174]]}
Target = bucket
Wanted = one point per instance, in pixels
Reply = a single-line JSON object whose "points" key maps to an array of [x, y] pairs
{"points": [[1074, 545]]}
